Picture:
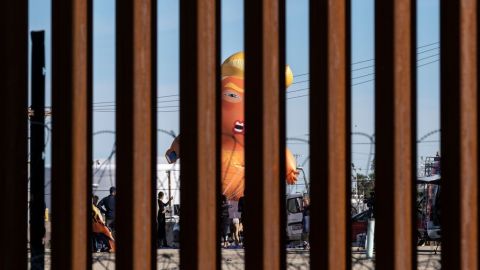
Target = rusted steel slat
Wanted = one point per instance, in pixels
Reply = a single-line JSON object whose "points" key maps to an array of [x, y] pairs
{"points": [[413, 132], [262, 141], [13, 138], [89, 170], [282, 129], [153, 100], [70, 143], [328, 135], [218, 132], [37, 151], [134, 134], [393, 129], [459, 95], [198, 99]]}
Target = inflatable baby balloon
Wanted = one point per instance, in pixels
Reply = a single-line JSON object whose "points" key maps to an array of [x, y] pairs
{"points": [[233, 130]]}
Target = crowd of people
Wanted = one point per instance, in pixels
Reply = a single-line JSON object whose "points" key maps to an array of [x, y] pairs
{"points": [[231, 222]]}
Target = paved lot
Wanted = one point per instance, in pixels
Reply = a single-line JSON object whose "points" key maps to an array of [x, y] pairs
{"points": [[296, 258]]}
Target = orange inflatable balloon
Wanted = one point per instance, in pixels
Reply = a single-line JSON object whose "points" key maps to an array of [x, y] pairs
{"points": [[233, 129]]}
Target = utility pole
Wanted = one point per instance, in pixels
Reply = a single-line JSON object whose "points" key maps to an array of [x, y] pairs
{"points": [[37, 148], [169, 188]]}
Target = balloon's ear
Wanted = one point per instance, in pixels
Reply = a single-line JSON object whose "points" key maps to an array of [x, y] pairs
{"points": [[288, 76]]}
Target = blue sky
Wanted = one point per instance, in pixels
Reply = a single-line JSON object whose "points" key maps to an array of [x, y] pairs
{"points": [[232, 41]]}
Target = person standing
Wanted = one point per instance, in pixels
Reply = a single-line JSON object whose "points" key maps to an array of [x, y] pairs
{"points": [[102, 238], [236, 228], [306, 223], [161, 220], [241, 211], [107, 206], [225, 220]]}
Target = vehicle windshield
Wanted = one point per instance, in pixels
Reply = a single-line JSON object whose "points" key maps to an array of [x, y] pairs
{"points": [[294, 205]]}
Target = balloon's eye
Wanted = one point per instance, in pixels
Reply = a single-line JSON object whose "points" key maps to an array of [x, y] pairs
{"points": [[231, 96]]}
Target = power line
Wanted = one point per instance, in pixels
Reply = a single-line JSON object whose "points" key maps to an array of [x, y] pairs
{"points": [[428, 50], [427, 45], [159, 97], [371, 80], [373, 65], [418, 60], [307, 73], [112, 111], [363, 76], [357, 69], [428, 63], [300, 82], [354, 84]]}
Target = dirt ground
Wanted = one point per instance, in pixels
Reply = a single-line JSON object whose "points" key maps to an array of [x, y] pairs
{"points": [[168, 259]]}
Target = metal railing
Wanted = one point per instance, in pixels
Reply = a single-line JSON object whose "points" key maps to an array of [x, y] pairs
{"points": [[395, 120]]}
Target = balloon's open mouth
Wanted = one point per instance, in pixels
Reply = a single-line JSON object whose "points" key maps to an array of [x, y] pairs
{"points": [[238, 127]]}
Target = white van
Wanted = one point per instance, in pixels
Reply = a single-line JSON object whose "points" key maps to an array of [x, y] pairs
{"points": [[294, 217]]}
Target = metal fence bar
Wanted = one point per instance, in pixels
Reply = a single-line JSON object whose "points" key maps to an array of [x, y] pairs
{"points": [[13, 138], [329, 123], [134, 135], [199, 75], [263, 194], [71, 90], [282, 128], [154, 127], [393, 128], [459, 93], [37, 151], [218, 132]]}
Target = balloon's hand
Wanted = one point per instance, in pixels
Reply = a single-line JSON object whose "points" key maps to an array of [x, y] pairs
{"points": [[292, 176], [171, 156]]}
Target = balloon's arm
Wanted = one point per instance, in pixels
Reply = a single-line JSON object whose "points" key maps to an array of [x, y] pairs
{"points": [[173, 153], [292, 172]]}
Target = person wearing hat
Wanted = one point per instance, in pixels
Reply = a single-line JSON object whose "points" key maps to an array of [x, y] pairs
{"points": [[107, 206]]}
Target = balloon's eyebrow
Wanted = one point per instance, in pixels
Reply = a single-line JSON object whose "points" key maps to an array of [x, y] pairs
{"points": [[234, 87]]}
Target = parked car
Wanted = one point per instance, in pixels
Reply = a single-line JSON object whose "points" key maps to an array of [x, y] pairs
{"points": [[359, 227], [428, 213]]}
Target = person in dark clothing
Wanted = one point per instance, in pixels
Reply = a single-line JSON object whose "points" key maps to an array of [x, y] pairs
{"points": [[225, 220], [241, 210], [371, 204], [241, 207], [306, 223], [107, 206], [161, 220]]}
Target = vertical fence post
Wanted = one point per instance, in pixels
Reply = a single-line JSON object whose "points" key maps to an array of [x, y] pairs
{"points": [[394, 99], [134, 139], [71, 160], [329, 134], [199, 76], [13, 138], [263, 178], [154, 133], [37, 151], [459, 107]]}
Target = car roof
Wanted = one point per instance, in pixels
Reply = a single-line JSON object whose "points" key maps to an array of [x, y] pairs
{"points": [[432, 179]]}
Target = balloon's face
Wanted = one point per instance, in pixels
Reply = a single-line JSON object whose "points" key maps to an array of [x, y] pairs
{"points": [[233, 106]]}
